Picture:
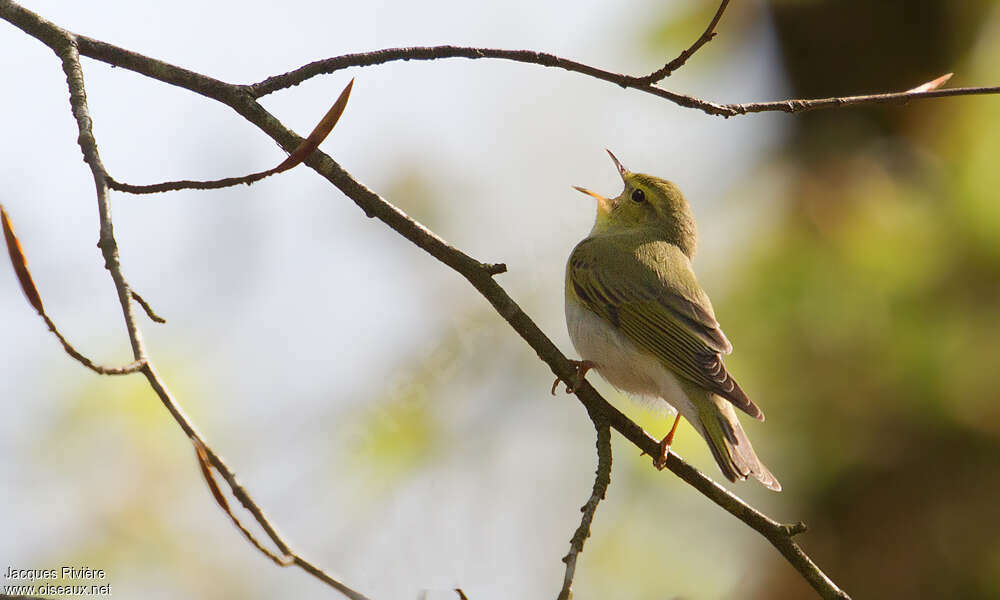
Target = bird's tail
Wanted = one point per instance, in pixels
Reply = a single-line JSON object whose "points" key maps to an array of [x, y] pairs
{"points": [[729, 444]]}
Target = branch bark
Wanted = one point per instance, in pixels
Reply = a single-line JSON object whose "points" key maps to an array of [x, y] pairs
{"points": [[683, 57], [642, 84], [601, 483]]}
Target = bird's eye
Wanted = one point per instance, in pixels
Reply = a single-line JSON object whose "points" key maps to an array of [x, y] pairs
{"points": [[638, 196]]}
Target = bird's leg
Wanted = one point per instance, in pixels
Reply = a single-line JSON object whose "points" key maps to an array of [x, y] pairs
{"points": [[582, 366], [661, 461]]}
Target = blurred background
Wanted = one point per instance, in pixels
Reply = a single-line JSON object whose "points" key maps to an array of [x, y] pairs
{"points": [[391, 425]]}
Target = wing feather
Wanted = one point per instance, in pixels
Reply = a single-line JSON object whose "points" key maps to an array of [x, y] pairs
{"points": [[659, 306]]}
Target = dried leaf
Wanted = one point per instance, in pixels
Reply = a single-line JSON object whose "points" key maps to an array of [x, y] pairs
{"points": [[206, 470], [931, 85], [323, 129], [20, 264]]}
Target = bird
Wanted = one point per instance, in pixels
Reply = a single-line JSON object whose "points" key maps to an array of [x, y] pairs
{"points": [[637, 315]]}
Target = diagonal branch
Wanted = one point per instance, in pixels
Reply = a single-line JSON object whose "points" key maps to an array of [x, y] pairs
{"points": [[146, 307], [481, 277], [601, 483], [683, 57]]}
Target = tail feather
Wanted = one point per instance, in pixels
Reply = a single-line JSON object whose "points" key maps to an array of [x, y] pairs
{"points": [[729, 444]]}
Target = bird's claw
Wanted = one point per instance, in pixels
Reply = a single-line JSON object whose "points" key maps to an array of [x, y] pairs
{"points": [[582, 366], [660, 461]]}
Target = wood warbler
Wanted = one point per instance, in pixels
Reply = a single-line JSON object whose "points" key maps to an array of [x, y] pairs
{"points": [[636, 314]]}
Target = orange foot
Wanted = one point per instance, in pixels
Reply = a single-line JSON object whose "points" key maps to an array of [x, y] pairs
{"points": [[582, 366], [661, 461]]}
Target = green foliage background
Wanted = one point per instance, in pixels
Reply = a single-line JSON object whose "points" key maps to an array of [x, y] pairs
{"points": [[869, 314]]}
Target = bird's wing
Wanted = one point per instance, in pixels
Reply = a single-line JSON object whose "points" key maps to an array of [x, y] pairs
{"points": [[659, 306]]}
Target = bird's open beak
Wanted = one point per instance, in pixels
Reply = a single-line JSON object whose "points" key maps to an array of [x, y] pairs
{"points": [[621, 170], [604, 205]]}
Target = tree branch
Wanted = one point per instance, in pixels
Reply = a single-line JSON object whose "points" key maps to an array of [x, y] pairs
{"points": [[133, 367], [481, 277], [642, 84], [146, 307], [797, 106], [545, 59], [683, 57], [601, 483]]}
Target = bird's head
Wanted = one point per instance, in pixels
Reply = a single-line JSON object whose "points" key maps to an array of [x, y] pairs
{"points": [[647, 203]]}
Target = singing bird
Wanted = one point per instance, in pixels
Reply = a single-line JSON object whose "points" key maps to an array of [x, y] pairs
{"points": [[636, 314]]}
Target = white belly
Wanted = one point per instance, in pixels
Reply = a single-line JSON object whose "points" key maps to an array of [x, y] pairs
{"points": [[622, 363]]}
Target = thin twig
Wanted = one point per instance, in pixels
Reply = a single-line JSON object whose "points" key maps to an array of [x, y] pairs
{"points": [[146, 307], [601, 482], [133, 367], [293, 160], [377, 57], [797, 106], [683, 57], [185, 184]]}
